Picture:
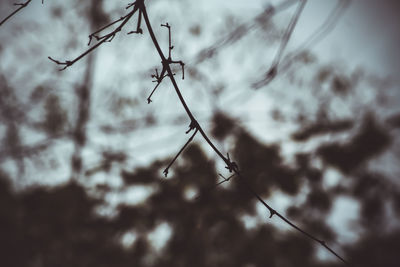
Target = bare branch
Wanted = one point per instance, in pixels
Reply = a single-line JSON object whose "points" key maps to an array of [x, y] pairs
{"points": [[158, 79], [21, 6], [231, 166], [105, 38], [66, 63], [165, 63], [94, 34]]}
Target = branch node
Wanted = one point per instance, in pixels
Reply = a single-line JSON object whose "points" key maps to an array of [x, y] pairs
{"points": [[166, 25], [231, 166], [272, 212], [194, 125], [158, 79], [165, 172]]}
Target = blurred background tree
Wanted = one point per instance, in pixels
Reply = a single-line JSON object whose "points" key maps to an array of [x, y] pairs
{"points": [[82, 153]]}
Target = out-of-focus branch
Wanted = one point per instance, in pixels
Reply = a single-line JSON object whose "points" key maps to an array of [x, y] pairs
{"points": [[285, 40], [314, 38], [26, 151]]}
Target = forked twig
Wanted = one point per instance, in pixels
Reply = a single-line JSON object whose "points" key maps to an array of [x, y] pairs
{"points": [[164, 63], [158, 80], [94, 34], [105, 38]]}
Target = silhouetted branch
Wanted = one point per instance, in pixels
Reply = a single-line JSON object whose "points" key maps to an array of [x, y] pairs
{"points": [[165, 62], [94, 34], [158, 79], [105, 38], [21, 6], [230, 165], [166, 71]]}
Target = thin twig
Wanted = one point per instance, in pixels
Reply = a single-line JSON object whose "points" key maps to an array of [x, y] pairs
{"points": [[158, 79], [180, 151], [165, 62], [103, 28], [105, 38], [21, 6]]}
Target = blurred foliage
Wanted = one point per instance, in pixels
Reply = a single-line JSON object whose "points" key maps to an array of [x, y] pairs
{"points": [[59, 226], [370, 141]]}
